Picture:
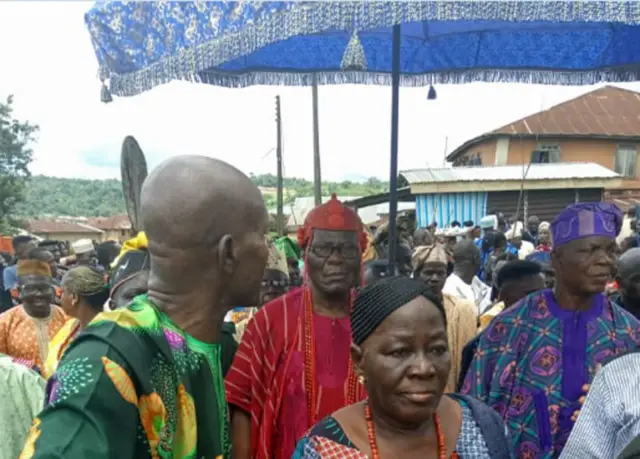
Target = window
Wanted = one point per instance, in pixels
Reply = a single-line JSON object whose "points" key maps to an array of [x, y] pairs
{"points": [[545, 154], [626, 158]]}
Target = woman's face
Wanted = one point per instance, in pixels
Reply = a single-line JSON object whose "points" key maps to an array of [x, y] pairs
{"points": [[544, 236], [406, 362], [68, 302]]}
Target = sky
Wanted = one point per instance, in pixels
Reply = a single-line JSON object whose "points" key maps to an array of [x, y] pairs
{"points": [[47, 63]]}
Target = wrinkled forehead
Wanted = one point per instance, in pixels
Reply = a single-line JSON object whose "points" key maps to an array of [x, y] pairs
{"points": [[585, 244], [33, 280], [333, 237]]}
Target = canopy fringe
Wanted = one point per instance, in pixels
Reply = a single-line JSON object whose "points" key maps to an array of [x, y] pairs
{"points": [[306, 18]]}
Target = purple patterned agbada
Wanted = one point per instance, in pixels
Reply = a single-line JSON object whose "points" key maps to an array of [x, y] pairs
{"points": [[533, 360]]}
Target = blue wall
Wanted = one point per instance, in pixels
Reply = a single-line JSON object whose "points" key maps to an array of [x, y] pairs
{"points": [[447, 207]]}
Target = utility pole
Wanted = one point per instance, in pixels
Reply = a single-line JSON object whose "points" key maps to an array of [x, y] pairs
{"points": [[279, 191]]}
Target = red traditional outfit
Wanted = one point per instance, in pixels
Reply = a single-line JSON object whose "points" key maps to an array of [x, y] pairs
{"points": [[291, 358], [544, 248]]}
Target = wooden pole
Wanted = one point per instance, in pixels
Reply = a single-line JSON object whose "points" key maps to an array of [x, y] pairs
{"points": [[317, 176], [279, 192]]}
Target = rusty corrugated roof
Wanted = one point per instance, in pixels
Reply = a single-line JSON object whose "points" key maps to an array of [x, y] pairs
{"points": [[117, 222], [608, 111], [60, 226], [605, 112]]}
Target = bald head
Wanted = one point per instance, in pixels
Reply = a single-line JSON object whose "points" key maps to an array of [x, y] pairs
{"points": [[629, 263], [191, 201], [206, 224], [465, 250]]}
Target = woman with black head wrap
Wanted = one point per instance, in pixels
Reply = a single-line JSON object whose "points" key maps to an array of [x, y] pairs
{"points": [[401, 357]]}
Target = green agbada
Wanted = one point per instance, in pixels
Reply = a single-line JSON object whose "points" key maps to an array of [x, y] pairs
{"points": [[134, 386]]}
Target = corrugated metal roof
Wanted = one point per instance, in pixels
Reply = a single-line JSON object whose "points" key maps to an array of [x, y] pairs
{"points": [[57, 226], [607, 111], [604, 112], [372, 214], [557, 171]]}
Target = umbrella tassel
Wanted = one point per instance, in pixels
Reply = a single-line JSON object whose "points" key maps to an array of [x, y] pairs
{"points": [[105, 94], [354, 58], [432, 95]]}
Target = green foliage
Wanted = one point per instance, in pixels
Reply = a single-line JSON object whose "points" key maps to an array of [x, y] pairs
{"points": [[98, 198], [300, 187], [15, 156]]}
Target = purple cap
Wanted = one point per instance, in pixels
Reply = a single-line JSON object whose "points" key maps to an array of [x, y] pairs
{"points": [[586, 219]]}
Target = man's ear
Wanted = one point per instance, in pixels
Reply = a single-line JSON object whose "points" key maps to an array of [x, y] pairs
{"points": [[357, 358], [226, 253]]}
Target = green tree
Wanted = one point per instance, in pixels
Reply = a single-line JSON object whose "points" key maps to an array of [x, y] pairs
{"points": [[15, 156]]}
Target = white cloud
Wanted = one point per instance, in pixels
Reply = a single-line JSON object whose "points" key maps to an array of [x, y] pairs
{"points": [[49, 65]]}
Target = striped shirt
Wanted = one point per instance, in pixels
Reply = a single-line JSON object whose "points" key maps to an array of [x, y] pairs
{"points": [[610, 417]]}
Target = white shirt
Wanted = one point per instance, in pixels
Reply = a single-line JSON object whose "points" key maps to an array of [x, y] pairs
{"points": [[525, 249], [478, 292], [610, 417]]}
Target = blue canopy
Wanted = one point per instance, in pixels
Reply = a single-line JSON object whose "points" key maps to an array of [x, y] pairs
{"points": [[140, 45]]}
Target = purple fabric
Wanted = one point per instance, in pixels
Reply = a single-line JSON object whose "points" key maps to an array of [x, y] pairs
{"points": [[586, 219], [533, 359], [574, 349]]}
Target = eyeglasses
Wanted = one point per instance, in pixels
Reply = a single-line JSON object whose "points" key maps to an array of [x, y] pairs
{"points": [[275, 283], [36, 289], [325, 251]]}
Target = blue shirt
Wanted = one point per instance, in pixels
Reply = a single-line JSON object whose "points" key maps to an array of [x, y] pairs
{"points": [[10, 277]]}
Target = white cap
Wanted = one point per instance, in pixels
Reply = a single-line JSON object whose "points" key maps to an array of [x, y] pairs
{"points": [[515, 230], [82, 246]]}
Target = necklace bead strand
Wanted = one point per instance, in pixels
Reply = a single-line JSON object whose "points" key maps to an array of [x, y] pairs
{"points": [[373, 444]]}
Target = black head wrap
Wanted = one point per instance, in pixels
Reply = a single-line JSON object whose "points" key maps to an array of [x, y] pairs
{"points": [[130, 263], [378, 301]]}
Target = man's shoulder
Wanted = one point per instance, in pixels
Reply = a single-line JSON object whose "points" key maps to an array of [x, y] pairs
{"points": [[619, 311], [292, 300], [462, 305], [14, 373], [520, 309]]}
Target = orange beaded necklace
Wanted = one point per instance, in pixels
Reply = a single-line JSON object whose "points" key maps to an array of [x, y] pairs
{"points": [[373, 444], [310, 386]]}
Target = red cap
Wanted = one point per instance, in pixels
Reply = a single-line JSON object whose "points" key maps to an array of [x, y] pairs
{"points": [[332, 216]]}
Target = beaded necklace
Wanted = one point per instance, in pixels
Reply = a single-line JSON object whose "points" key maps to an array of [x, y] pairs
{"points": [[310, 385], [373, 444]]}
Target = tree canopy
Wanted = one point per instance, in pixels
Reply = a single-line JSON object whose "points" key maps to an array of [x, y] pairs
{"points": [[52, 196], [16, 154]]}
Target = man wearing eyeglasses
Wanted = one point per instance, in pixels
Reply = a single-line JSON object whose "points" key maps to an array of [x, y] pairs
{"points": [[25, 330]]}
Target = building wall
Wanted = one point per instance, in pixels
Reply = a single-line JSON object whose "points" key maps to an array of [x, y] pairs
{"points": [[602, 152], [116, 235], [444, 208], [544, 204], [70, 237]]}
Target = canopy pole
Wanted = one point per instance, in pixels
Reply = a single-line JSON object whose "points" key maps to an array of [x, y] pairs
{"points": [[393, 169], [317, 176], [279, 191]]}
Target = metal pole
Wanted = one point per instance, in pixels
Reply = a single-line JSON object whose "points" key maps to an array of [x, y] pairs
{"points": [[279, 196], [317, 176], [393, 169]]}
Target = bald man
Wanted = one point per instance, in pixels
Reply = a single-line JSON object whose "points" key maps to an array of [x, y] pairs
{"points": [[128, 387], [463, 282], [628, 278]]}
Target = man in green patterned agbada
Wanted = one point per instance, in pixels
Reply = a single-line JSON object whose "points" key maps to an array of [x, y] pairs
{"points": [[145, 381]]}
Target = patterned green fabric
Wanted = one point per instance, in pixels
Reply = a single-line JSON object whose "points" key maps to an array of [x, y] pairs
{"points": [[21, 395], [134, 386], [289, 246]]}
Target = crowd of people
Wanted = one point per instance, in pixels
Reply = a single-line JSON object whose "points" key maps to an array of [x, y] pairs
{"points": [[204, 337]]}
